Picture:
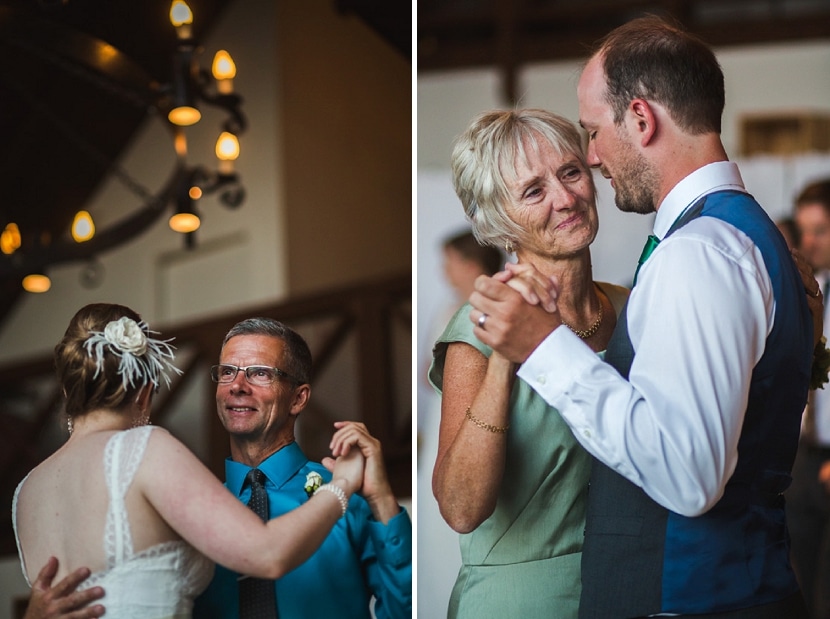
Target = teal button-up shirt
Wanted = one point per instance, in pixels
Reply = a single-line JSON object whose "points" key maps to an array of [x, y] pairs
{"points": [[359, 559]]}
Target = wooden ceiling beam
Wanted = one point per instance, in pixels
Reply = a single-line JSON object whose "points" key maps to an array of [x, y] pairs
{"points": [[476, 44]]}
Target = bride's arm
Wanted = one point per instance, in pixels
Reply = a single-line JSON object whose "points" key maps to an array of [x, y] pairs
{"points": [[199, 508]]}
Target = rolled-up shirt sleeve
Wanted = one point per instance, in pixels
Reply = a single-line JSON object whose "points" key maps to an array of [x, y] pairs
{"points": [[698, 320]]}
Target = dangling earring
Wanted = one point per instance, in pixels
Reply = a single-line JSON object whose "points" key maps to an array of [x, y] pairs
{"points": [[142, 420], [69, 425], [508, 247]]}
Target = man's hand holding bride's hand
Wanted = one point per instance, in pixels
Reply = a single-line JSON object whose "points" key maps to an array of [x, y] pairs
{"points": [[347, 467], [505, 320], [352, 437]]}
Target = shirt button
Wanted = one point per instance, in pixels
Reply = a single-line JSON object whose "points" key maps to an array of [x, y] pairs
{"points": [[541, 379], [586, 433], [395, 541]]}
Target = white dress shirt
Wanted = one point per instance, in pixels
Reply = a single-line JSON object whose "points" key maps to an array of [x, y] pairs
{"points": [[698, 319]]}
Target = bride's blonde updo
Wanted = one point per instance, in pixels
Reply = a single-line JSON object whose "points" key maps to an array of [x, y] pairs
{"points": [[106, 357]]}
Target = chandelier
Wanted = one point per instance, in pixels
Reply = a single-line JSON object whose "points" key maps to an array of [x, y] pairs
{"points": [[28, 254]]}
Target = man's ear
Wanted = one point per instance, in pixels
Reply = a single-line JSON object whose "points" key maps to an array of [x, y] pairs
{"points": [[302, 393], [644, 120]]}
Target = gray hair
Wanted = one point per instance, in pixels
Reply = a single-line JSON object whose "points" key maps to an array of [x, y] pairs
{"points": [[298, 359], [484, 159]]}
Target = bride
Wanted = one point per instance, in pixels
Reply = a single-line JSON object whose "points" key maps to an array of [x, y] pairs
{"points": [[132, 503]]}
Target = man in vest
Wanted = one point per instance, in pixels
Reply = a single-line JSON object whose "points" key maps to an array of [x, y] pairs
{"points": [[694, 417]]}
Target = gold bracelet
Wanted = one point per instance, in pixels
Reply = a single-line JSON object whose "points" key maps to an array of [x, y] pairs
{"points": [[486, 426]]}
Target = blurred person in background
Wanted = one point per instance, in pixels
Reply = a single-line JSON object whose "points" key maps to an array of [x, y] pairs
{"points": [[808, 499], [439, 557]]}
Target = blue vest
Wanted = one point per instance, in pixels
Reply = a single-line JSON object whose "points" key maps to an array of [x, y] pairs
{"points": [[641, 559]]}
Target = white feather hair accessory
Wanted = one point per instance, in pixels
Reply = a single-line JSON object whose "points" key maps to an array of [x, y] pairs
{"points": [[144, 359]]}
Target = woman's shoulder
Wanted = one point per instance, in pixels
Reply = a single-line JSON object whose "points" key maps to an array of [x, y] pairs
{"points": [[459, 331], [460, 328], [159, 440]]}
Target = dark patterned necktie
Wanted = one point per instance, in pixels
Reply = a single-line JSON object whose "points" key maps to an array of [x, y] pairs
{"points": [[651, 243], [257, 598]]}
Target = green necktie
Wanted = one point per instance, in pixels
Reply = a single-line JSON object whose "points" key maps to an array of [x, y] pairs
{"points": [[651, 242]]}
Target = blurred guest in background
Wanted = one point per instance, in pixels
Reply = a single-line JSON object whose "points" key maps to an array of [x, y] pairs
{"points": [[789, 230], [439, 557], [808, 499]]}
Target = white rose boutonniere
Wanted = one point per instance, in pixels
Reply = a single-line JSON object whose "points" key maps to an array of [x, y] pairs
{"points": [[312, 481], [126, 335]]}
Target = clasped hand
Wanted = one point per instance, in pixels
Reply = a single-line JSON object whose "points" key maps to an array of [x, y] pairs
{"points": [[348, 467], [350, 438], [520, 305]]}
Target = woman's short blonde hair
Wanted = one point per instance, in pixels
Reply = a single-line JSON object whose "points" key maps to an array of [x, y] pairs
{"points": [[485, 158]]}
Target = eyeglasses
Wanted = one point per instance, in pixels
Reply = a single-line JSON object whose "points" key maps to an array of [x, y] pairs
{"points": [[262, 375]]}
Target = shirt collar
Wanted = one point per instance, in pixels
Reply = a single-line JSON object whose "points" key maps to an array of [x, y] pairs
{"points": [[718, 176], [279, 467]]}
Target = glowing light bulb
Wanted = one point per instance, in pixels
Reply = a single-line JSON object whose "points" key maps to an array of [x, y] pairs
{"points": [[184, 115], [83, 228], [181, 17], [227, 151], [224, 70], [36, 282], [10, 239], [184, 222]]}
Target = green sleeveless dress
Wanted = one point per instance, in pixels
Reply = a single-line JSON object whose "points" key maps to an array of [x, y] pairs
{"points": [[524, 560]]}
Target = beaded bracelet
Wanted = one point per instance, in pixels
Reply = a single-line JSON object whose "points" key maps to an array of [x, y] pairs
{"points": [[338, 492], [486, 426]]}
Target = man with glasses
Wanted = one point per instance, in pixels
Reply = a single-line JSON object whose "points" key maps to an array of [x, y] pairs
{"points": [[262, 385]]}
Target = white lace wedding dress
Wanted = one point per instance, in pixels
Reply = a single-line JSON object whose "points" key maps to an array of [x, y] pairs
{"points": [[159, 582]]}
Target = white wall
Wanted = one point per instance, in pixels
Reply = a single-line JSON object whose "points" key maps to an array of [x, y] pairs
{"points": [[758, 79]]}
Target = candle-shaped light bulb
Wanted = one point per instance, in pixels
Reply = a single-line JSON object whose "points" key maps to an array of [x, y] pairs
{"points": [[224, 70], [181, 17], [83, 228], [227, 151]]}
